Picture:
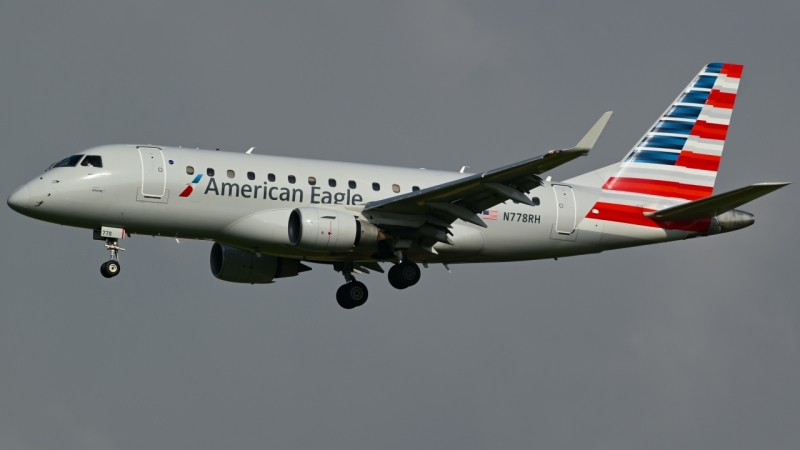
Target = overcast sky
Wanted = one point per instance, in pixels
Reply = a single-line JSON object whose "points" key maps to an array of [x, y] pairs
{"points": [[690, 345]]}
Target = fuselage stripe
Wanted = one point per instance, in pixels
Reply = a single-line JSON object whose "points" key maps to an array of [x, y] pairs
{"points": [[634, 215], [658, 187]]}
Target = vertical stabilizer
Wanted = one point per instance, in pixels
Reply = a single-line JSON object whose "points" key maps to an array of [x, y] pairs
{"points": [[678, 158]]}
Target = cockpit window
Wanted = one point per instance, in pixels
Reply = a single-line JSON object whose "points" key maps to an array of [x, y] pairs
{"points": [[72, 161], [92, 161]]}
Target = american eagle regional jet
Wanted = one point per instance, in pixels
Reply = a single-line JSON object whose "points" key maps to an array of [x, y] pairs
{"points": [[269, 216]]}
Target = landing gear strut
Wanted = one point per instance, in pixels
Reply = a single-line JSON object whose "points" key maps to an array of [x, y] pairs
{"points": [[110, 268], [404, 274], [353, 293]]}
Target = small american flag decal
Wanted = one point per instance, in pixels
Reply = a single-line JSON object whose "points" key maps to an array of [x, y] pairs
{"points": [[489, 215]]}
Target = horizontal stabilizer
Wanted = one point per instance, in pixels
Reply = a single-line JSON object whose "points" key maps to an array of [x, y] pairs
{"points": [[716, 204]]}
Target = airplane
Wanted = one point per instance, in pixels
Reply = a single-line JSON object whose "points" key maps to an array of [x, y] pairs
{"points": [[269, 216]]}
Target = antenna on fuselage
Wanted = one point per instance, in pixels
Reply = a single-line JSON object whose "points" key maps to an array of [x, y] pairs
{"points": [[463, 168], [251, 150]]}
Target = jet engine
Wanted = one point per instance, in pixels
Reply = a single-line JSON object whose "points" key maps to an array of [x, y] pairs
{"points": [[320, 229], [240, 266]]}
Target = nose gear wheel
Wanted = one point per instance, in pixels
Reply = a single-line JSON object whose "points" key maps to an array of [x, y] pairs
{"points": [[110, 269]]}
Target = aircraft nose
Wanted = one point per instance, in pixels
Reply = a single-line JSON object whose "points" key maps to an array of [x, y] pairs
{"points": [[19, 199]]}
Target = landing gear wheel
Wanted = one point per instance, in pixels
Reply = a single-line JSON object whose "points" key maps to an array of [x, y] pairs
{"points": [[352, 295], [110, 269], [404, 274]]}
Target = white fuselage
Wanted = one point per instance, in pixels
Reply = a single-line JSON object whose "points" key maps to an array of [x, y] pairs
{"points": [[139, 189]]}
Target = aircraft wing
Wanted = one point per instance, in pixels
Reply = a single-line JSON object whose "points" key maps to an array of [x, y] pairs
{"points": [[461, 199], [716, 204]]}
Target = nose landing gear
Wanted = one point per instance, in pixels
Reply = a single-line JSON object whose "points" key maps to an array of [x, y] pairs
{"points": [[110, 268]]}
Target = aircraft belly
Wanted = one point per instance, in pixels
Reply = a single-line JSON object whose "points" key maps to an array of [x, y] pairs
{"points": [[620, 235]]}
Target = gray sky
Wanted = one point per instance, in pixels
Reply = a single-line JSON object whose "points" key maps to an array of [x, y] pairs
{"points": [[691, 345]]}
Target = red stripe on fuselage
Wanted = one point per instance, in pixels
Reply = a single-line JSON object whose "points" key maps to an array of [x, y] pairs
{"points": [[186, 192], [634, 215], [658, 187]]}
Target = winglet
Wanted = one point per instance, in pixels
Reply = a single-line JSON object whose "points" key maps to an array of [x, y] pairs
{"points": [[594, 133]]}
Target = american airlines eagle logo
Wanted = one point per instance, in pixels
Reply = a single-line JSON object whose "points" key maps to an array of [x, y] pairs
{"points": [[189, 189]]}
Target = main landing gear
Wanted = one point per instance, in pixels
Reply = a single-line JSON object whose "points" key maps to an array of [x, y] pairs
{"points": [[404, 274], [353, 293], [110, 268]]}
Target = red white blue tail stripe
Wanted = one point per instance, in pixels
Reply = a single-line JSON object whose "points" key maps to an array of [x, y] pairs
{"points": [[677, 159]]}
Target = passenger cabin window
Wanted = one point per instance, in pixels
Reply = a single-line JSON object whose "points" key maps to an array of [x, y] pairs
{"points": [[210, 172], [72, 161], [251, 176], [92, 161], [312, 181], [292, 179], [395, 188], [376, 187], [331, 182], [535, 200], [414, 188], [271, 177], [352, 184], [231, 174], [190, 170]]}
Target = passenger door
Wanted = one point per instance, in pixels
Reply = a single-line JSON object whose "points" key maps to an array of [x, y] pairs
{"points": [[565, 209], [154, 172]]}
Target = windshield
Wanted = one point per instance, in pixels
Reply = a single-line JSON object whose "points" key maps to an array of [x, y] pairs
{"points": [[72, 161], [92, 161]]}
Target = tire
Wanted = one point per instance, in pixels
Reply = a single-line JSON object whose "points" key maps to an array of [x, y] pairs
{"points": [[404, 274], [394, 277], [104, 272], [409, 273], [112, 267], [352, 295], [343, 299]]}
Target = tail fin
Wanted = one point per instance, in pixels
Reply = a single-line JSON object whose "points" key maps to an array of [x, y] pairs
{"points": [[677, 159]]}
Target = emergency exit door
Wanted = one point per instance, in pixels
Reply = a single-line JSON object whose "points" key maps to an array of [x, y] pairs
{"points": [[565, 209], [154, 173]]}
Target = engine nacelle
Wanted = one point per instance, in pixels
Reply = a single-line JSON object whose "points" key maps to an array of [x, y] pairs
{"points": [[320, 229], [240, 266]]}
